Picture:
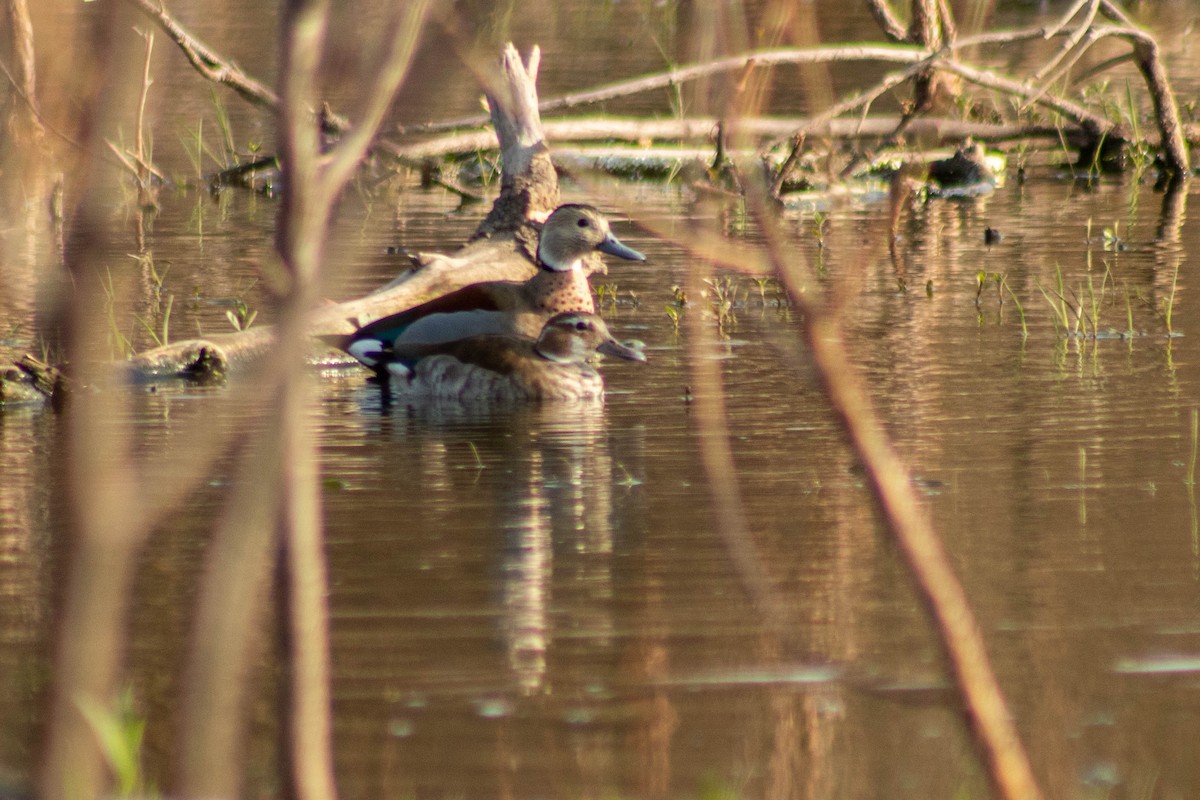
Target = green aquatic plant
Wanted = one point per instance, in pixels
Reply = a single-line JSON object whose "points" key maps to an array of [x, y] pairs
{"points": [[1170, 301], [606, 293], [193, 146], [820, 225], [627, 480], [240, 316], [119, 730], [1062, 308], [1112, 238], [1017, 303], [1129, 318], [674, 313], [229, 157], [723, 292], [479, 465], [1190, 480], [160, 333], [762, 284], [982, 279], [118, 342]]}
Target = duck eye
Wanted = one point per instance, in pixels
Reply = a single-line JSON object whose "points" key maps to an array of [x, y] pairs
{"points": [[583, 223], [581, 326]]}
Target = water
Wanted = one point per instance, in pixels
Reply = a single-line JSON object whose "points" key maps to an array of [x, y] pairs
{"points": [[537, 602]]}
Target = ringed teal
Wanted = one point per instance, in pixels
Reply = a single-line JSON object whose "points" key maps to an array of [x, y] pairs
{"points": [[507, 367], [506, 307]]}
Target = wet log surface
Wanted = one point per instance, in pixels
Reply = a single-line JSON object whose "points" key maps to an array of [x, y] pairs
{"points": [[503, 247]]}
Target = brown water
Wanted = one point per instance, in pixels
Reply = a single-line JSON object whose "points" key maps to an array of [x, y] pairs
{"points": [[537, 603]]}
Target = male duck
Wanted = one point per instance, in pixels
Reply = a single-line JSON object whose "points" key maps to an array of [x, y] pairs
{"points": [[506, 367], [509, 307]]}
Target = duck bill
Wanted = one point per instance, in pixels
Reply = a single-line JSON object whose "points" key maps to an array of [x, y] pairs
{"points": [[612, 245], [617, 350]]}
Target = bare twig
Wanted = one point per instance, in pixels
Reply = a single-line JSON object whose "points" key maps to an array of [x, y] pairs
{"points": [[25, 65], [1073, 39], [394, 65], [287, 506], [145, 193], [771, 131], [1145, 54], [861, 100], [949, 29], [1093, 123], [910, 526], [1066, 18], [207, 62], [663, 80], [1114, 12], [887, 20]]}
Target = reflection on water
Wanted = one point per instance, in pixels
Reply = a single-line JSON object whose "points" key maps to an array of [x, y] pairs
{"points": [[534, 601]]}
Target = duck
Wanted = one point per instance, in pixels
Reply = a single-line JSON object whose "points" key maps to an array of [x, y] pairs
{"points": [[571, 233], [504, 368]]}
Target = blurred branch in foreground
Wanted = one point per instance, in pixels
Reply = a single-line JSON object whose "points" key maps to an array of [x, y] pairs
{"points": [[108, 525], [955, 623], [909, 524], [272, 513], [282, 515]]}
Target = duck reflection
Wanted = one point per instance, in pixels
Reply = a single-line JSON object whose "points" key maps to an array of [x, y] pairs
{"points": [[562, 501], [544, 475]]}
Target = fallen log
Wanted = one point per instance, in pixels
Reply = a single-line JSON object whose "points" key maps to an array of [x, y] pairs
{"points": [[503, 247]]}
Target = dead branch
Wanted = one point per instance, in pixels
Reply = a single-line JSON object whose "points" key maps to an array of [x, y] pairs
{"points": [[861, 100], [206, 61], [284, 508], [910, 527], [887, 20], [662, 80], [502, 249], [1093, 6], [24, 82], [1094, 124], [1145, 53], [996, 733], [770, 131]]}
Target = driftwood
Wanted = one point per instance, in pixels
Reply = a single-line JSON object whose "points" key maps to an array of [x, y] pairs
{"points": [[930, 44], [502, 248], [942, 130]]}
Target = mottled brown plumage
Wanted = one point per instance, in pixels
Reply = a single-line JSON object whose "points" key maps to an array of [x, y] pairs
{"points": [[570, 234], [507, 368]]}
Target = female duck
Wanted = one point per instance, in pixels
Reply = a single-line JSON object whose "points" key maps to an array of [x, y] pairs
{"points": [[507, 368], [507, 307]]}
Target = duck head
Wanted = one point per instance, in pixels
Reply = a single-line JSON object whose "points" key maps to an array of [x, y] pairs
{"points": [[574, 336], [573, 231]]}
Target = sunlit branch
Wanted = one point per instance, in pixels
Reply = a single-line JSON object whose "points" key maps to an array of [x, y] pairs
{"points": [[1073, 39], [206, 61], [911, 528], [896, 54]]}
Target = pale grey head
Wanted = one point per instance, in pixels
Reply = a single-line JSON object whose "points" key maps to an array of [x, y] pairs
{"points": [[574, 336], [573, 231]]}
